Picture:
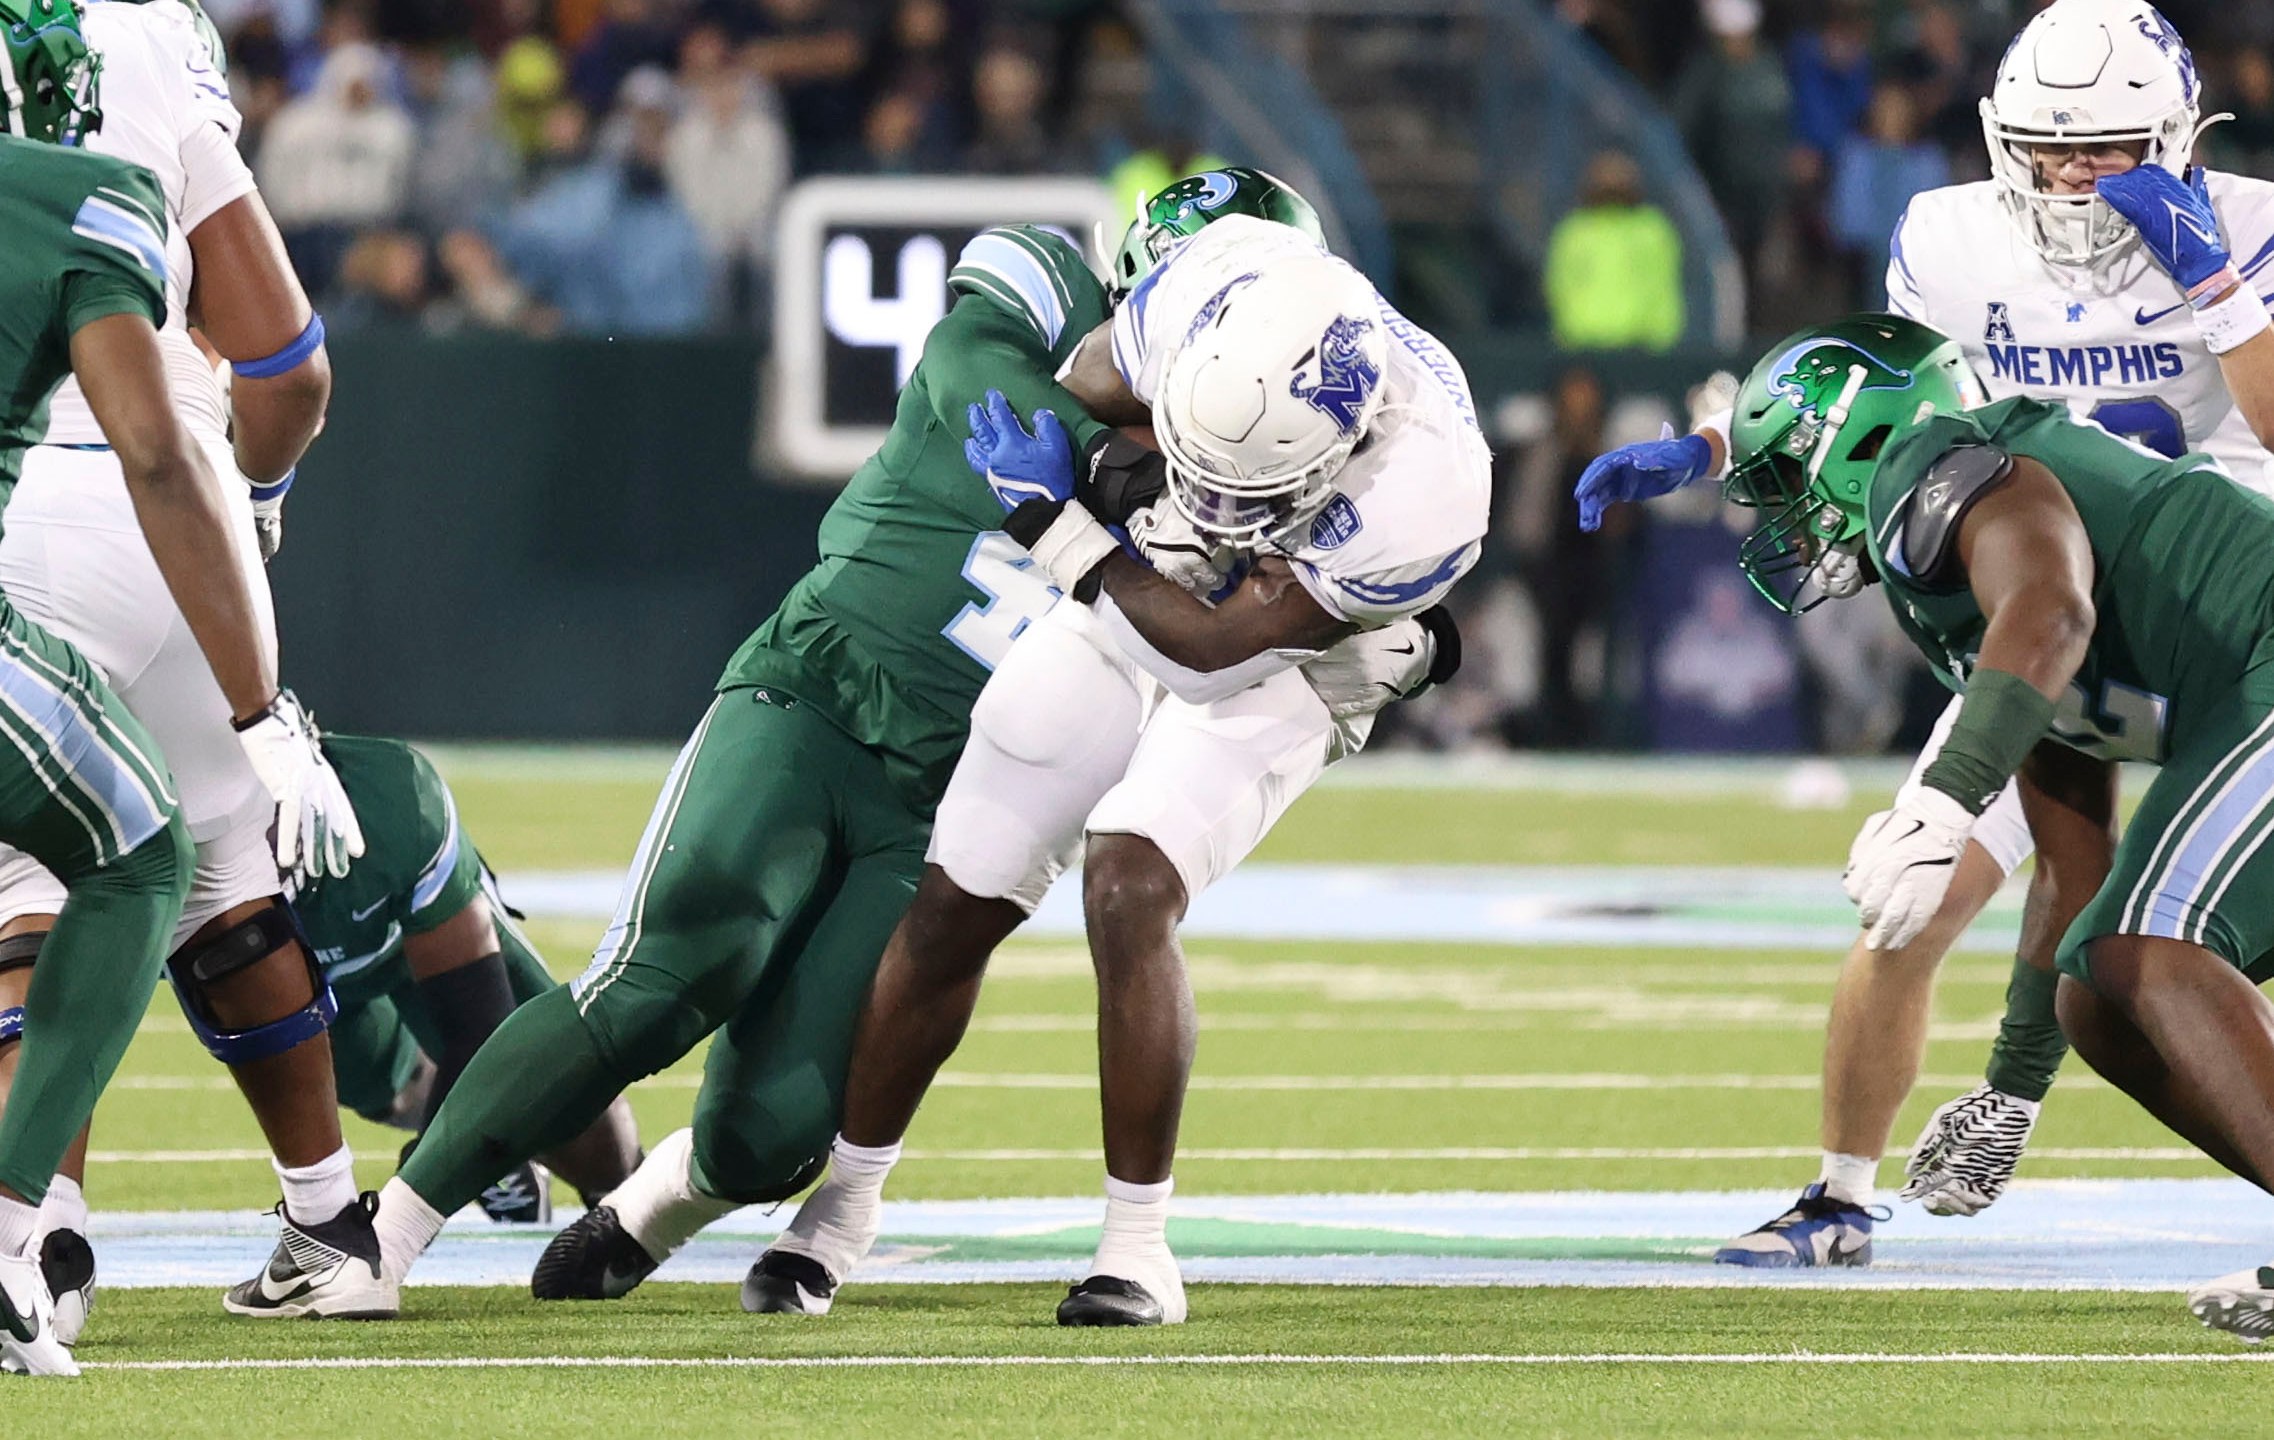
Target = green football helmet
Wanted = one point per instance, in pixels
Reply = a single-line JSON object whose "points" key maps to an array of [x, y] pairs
{"points": [[1189, 204], [1811, 422], [48, 77]]}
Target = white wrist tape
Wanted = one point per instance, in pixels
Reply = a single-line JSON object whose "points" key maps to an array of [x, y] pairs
{"points": [[2232, 321], [1073, 546]]}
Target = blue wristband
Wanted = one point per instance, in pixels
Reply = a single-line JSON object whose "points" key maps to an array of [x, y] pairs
{"points": [[275, 489], [291, 357]]}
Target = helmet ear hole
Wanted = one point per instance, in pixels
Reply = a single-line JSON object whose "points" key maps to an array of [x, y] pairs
{"points": [[1868, 447]]}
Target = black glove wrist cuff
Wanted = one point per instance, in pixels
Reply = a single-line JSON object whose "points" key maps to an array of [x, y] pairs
{"points": [[1118, 477], [1027, 523]]}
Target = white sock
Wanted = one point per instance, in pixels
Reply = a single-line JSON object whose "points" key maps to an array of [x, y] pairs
{"points": [[660, 1205], [315, 1193], [19, 1226], [65, 1207], [1853, 1178], [406, 1226], [1136, 1217], [860, 1170]]}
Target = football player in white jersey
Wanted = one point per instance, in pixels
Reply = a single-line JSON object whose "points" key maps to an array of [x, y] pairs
{"points": [[2101, 267], [73, 557], [1330, 449]]}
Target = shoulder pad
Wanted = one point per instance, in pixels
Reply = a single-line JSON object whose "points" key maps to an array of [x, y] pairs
{"points": [[1960, 476]]}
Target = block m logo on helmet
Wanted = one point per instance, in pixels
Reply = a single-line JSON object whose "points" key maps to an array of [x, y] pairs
{"points": [[1812, 375], [1347, 375]]}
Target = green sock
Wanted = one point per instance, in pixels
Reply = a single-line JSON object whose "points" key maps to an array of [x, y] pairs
{"points": [[536, 1083], [2030, 1046], [88, 994]]}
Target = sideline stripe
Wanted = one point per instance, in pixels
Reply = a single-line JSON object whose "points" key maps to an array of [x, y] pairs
{"points": [[1009, 1362], [2155, 1153]]}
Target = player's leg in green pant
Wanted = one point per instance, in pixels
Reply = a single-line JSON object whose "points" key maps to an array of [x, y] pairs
{"points": [[740, 859], [375, 1058], [774, 1081], [82, 790]]}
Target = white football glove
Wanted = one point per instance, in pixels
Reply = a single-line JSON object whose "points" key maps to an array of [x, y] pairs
{"points": [[1362, 673], [1966, 1156], [1179, 552], [1900, 865], [316, 830]]}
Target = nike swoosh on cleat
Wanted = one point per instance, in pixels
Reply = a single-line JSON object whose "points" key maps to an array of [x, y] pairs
{"points": [[1407, 650]]}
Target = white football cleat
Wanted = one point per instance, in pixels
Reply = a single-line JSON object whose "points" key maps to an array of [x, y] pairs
{"points": [[832, 1232], [28, 1344], [323, 1271], [2242, 1304]]}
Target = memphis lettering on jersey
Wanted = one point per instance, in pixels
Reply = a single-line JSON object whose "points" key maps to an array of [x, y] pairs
{"points": [[2085, 365]]}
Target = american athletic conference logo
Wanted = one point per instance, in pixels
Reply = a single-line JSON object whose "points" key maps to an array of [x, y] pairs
{"points": [[1336, 524], [1997, 325], [1347, 374]]}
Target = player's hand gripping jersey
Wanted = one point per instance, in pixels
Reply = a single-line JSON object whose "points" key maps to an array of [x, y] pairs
{"points": [[166, 107], [1411, 503], [2176, 674], [919, 593], [2118, 344]]}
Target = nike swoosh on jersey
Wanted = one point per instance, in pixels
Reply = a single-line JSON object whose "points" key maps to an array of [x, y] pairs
{"points": [[2142, 317], [359, 916]]}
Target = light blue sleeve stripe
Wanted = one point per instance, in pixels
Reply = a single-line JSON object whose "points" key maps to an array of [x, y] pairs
{"points": [[108, 224], [1017, 268], [438, 871], [134, 815]]}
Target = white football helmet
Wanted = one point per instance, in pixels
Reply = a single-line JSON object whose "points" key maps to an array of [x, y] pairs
{"points": [[2088, 72], [1269, 394]]}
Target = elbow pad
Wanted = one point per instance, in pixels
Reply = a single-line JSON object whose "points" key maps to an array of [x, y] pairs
{"points": [[1194, 687]]}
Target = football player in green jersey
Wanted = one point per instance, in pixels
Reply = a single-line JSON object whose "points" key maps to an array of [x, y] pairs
{"points": [[82, 275], [792, 830], [2094, 602], [422, 960]]}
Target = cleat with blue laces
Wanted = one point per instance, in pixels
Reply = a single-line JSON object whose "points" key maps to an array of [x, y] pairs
{"points": [[1818, 1230]]}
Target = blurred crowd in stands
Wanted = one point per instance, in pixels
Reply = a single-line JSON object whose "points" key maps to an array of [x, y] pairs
{"points": [[613, 166]]}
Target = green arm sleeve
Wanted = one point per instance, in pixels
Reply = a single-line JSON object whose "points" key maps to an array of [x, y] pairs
{"points": [[980, 346], [2029, 1048]]}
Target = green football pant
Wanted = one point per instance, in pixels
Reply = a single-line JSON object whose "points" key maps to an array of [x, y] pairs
{"points": [[775, 865], [83, 791], [2194, 863]]}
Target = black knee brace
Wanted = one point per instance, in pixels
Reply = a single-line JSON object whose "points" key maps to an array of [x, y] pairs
{"points": [[244, 944]]}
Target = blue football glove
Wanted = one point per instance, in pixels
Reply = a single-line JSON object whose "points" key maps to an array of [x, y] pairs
{"points": [[1644, 470], [2175, 221], [1019, 467]]}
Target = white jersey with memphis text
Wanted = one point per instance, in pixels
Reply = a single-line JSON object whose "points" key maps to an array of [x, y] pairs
{"points": [[2119, 346], [166, 107], [1411, 505]]}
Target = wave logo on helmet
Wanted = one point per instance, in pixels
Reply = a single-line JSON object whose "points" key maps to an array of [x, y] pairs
{"points": [[1215, 188], [1347, 375], [1813, 374]]}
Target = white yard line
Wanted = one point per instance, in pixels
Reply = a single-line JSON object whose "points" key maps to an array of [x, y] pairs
{"points": [[1010, 1362], [1304, 1154]]}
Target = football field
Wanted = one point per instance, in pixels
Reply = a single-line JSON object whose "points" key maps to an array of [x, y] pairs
{"points": [[1491, 1057]]}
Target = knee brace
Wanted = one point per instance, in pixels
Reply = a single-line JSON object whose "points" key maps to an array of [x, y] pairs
{"points": [[243, 945], [17, 952]]}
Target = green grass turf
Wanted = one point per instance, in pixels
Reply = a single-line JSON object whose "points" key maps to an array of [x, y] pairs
{"points": [[1285, 1013], [1005, 1320]]}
